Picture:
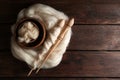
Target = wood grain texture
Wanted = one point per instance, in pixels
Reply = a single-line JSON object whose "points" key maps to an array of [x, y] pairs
{"points": [[56, 78], [84, 11], [95, 37], [81, 64], [94, 50]]}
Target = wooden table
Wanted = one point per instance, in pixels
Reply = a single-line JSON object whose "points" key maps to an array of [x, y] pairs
{"points": [[94, 51]]}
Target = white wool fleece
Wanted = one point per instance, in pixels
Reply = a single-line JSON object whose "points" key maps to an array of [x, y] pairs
{"points": [[50, 17]]}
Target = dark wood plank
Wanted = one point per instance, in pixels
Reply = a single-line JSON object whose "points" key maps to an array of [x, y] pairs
{"points": [[59, 78], [5, 35], [74, 64], [65, 1], [84, 11], [85, 37], [95, 37]]}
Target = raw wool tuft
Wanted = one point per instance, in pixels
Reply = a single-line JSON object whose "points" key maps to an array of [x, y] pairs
{"points": [[28, 32], [51, 18]]}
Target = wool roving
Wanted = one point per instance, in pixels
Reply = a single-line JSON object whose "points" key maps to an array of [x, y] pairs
{"points": [[51, 19]]}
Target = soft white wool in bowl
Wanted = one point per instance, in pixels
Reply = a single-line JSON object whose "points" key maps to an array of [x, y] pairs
{"points": [[51, 18], [28, 32]]}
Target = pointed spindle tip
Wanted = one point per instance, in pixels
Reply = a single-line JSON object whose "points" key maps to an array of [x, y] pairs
{"points": [[62, 23], [71, 22]]}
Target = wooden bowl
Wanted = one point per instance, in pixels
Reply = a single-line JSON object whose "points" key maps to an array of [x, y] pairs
{"points": [[41, 28]]}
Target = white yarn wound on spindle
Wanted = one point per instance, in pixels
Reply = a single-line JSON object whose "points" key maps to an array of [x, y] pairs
{"points": [[51, 18]]}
